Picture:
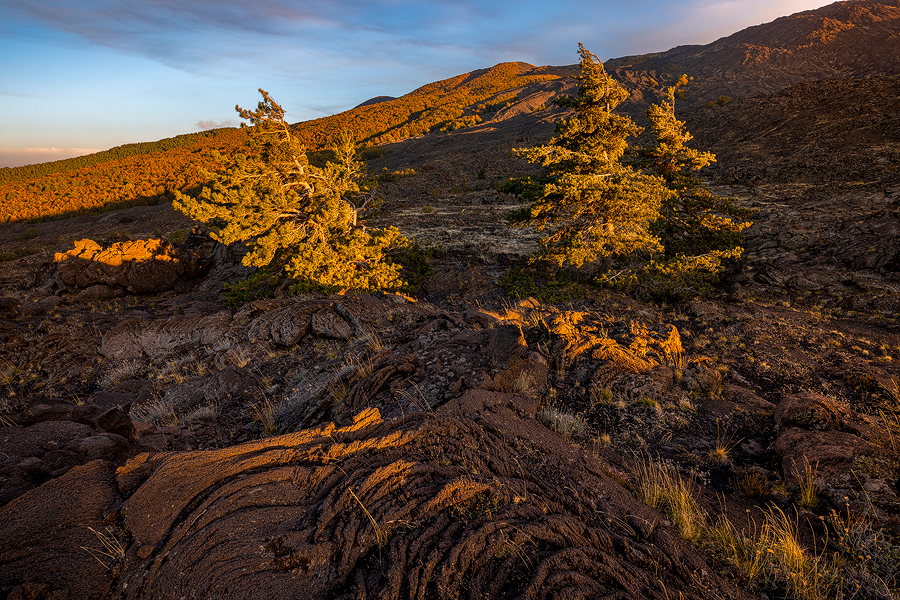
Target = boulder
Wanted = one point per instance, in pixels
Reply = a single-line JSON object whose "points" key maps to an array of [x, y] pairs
{"points": [[134, 338], [327, 323], [811, 411], [139, 266], [52, 537]]}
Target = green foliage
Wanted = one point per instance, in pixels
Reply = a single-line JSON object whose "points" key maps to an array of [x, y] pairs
{"points": [[261, 284], [589, 202], [306, 221], [389, 176], [700, 230], [20, 252], [550, 288], [413, 257], [720, 101], [664, 232]]}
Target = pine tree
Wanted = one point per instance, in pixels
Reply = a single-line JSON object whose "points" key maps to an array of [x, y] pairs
{"points": [[698, 228], [589, 201], [665, 231], [299, 219]]}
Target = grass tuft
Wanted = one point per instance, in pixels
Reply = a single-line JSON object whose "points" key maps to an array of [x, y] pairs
{"points": [[568, 425], [661, 486]]}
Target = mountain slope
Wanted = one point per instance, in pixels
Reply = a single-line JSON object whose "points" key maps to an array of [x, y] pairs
{"points": [[148, 173], [857, 38]]}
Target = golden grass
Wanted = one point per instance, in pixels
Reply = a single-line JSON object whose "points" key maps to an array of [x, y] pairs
{"points": [[111, 549], [720, 454], [809, 489], [380, 534], [806, 576], [771, 555], [662, 487], [264, 414], [737, 548]]}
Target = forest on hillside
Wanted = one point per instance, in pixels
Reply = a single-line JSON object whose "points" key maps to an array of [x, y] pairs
{"points": [[148, 173]]}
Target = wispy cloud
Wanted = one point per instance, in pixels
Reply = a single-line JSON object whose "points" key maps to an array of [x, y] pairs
{"points": [[304, 37], [16, 157], [185, 62], [15, 93], [203, 125]]}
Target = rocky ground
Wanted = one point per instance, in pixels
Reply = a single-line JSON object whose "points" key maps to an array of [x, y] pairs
{"points": [[459, 441]]}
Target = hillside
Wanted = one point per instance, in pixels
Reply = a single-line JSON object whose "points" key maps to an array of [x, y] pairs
{"points": [[822, 132], [465, 441], [148, 173], [857, 38]]}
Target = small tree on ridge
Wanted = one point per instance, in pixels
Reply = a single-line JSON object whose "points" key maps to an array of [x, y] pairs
{"points": [[302, 220]]}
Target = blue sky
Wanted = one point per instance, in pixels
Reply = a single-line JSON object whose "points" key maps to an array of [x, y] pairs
{"points": [[77, 76]]}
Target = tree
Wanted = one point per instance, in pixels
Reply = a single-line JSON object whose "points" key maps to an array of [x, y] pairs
{"points": [[589, 201], [699, 229], [299, 219], [646, 209]]}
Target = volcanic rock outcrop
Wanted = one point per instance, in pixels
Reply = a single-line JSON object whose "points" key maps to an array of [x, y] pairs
{"points": [[139, 267]]}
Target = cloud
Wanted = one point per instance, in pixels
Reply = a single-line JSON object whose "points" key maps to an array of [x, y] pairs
{"points": [[17, 157], [204, 125], [16, 94], [341, 52], [285, 36]]}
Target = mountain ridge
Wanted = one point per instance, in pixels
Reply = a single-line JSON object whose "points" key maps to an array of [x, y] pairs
{"points": [[854, 38]]}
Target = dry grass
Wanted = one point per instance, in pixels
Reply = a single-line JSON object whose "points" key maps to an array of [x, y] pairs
{"points": [[416, 398], [122, 371], [891, 417], [600, 396], [111, 549], [892, 427], [753, 485], [893, 391], [637, 356], [737, 548], [661, 486], [627, 358], [870, 558], [160, 412], [264, 414], [774, 558], [524, 384], [806, 576], [809, 489], [380, 534], [568, 425], [771, 556], [206, 413], [720, 454]]}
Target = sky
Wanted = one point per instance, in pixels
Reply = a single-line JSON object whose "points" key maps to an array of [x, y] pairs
{"points": [[79, 76]]}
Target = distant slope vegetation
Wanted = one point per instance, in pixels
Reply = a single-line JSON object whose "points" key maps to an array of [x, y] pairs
{"points": [[146, 173]]}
